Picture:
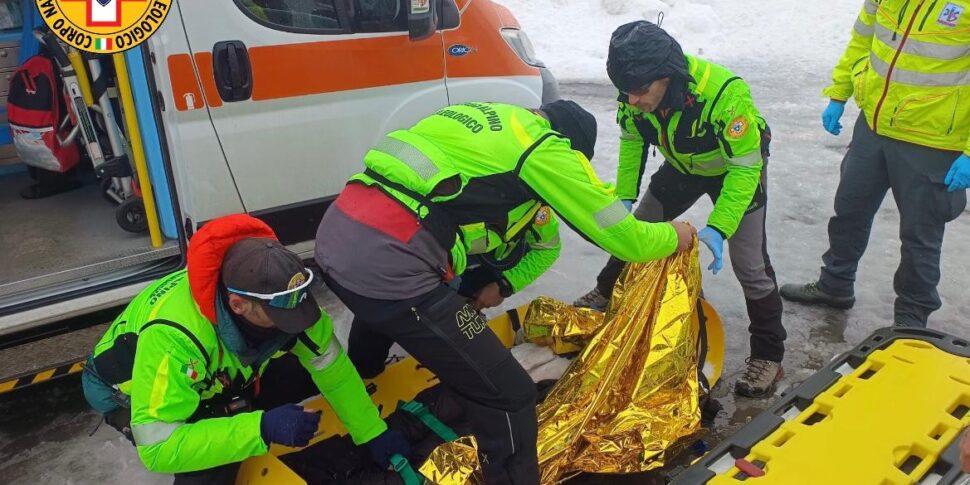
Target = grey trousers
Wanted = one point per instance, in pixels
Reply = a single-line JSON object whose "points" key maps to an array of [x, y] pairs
{"points": [[873, 165], [672, 193]]}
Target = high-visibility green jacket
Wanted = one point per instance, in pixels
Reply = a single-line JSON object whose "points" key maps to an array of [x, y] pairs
{"points": [[494, 171], [718, 132], [908, 66], [179, 370]]}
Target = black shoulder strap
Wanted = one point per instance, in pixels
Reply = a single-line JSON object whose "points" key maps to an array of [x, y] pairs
{"points": [[187, 333], [437, 220], [532, 148], [717, 97], [308, 342], [398, 187]]}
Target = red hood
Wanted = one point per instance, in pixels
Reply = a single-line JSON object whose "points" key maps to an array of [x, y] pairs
{"points": [[207, 250]]}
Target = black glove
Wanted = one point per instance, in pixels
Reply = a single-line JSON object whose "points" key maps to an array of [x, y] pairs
{"points": [[288, 425], [386, 445]]}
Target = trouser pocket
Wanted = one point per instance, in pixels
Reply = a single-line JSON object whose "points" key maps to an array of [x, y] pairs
{"points": [[947, 205]]}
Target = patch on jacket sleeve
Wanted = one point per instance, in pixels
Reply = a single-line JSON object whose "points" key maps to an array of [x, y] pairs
{"points": [[950, 15], [543, 216], [738, 127]]}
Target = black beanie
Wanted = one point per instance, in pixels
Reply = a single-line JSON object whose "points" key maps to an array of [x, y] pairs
{"points": [[642, 52], [574, 122]]}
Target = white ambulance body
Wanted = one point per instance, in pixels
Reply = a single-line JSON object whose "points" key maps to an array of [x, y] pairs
{"points": [[257, 106]]}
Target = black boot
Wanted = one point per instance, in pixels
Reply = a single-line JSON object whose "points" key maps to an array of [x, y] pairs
{"points": [[812, 294]]}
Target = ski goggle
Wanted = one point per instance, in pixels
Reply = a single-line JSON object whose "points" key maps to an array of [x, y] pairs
{"points": [[284, 300]]}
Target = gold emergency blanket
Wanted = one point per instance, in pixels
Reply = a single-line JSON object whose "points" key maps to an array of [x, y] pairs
{"points": [[559, 326], [454, 463], [632, 393]]}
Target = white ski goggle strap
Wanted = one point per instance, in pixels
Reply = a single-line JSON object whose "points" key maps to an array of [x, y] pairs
{"points": [[286, 300]]}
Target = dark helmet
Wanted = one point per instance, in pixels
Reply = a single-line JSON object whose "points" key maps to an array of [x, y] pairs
{"points": [[640, 53]]}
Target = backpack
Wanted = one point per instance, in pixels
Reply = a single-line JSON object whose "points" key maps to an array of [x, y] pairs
{"points": [[35, 109]]}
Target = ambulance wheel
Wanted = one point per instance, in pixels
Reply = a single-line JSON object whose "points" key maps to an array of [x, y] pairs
{"points": [[131, 215]]}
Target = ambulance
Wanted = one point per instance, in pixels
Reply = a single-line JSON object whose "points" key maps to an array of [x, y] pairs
{"points": [[257, 106]]}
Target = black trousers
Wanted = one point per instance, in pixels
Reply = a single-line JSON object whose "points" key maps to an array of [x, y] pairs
{"points": [[670, 194], [453, 340]]}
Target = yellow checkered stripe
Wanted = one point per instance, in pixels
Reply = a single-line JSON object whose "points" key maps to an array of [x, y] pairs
{"points": [[43, 375]]}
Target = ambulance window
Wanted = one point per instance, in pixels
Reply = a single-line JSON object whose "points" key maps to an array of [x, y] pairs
{"points": [[380, 16], [320, 16]]}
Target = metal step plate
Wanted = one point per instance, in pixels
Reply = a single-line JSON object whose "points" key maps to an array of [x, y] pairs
{"points": [[47, 359]]}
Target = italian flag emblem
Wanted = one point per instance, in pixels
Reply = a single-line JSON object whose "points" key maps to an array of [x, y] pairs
{"points": [[102, 43], [189, 371]]}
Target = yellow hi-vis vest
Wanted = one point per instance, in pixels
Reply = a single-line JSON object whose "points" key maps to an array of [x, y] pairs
{"points": [[908, 66]]}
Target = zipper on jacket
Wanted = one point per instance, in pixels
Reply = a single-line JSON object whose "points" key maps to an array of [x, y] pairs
{"points": [[665, 142], [927, 15], [899, 19], [892, 65]]}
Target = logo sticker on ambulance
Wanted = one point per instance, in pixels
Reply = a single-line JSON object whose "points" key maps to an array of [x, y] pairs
{"points": [[950, 15], [103, 26]]}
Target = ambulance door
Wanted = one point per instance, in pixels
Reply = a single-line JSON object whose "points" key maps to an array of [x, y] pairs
{"points": [[299, 90]]}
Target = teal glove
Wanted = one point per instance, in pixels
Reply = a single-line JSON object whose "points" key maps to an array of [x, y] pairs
{"points": [[831, 115], [959, 176], [715, 242]]}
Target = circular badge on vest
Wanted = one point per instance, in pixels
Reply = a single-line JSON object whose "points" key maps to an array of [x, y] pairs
{"points": [[542, 217], [738, 127], [103, 26]]}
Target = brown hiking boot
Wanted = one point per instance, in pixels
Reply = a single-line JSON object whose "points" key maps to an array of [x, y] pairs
{"points": [[760, 378], [594, 299]]}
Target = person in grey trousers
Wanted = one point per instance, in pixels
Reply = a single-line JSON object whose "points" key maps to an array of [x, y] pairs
{"points": [[913, 87], [872, 166]]}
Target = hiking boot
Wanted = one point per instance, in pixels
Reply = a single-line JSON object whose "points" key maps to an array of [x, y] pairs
{"points": [[760, 379], [594, 299], [811, 294]]}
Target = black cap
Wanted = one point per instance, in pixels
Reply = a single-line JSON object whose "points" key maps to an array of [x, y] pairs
{"points": [[264, 266], [574, 122], [640, 53]]}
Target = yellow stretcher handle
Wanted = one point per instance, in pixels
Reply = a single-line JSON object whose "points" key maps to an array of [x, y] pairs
{"points": [[83, 80], [137, 149]]}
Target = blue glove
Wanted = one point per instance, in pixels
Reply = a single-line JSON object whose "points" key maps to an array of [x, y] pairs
{"points": [[386, 445], [959, 176], [715, 242], [288, 425], [831, 115], [628, 204]]}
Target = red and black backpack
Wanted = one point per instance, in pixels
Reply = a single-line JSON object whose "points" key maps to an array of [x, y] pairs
{"points": [[35, 109]]}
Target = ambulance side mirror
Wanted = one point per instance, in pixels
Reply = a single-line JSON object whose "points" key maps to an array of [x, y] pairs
{"points": [[422, 19]]}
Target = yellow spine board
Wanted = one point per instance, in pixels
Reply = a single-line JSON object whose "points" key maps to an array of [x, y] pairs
{"points": [[887, 422], [401, 381]]}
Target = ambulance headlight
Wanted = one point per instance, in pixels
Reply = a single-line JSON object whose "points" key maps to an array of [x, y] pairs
{"points": [[520, 43]]}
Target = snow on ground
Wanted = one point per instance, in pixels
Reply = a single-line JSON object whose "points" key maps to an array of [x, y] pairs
{"points": [[785, 49], [572, 36]]}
